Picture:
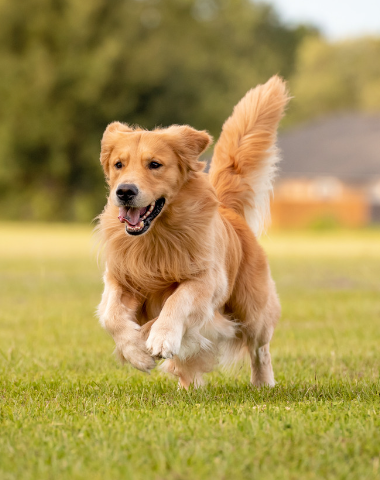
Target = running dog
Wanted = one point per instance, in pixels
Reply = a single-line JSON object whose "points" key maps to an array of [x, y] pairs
{"points": [[185, 278]]}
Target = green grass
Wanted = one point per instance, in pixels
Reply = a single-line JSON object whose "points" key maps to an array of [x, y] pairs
{"points": [[68, 410]]}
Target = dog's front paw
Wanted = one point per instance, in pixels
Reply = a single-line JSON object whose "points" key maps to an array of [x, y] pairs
{"points": [[132, 349], [164, 342]]}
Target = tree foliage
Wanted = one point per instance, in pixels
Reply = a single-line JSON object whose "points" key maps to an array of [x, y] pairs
{"points": [[333, 77], [69, 67]]}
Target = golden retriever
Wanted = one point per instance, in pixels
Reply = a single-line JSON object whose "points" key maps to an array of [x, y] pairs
{"points": [[186, 279]]}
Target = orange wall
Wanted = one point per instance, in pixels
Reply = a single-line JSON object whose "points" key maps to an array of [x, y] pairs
{"points": [[351, 210]]}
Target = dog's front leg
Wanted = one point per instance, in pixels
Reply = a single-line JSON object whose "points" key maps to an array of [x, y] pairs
{"points": [[191, 304], [117, 314]]}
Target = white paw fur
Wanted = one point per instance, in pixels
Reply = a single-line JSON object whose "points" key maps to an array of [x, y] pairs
{"points": [[164, 341], [131, 348]]}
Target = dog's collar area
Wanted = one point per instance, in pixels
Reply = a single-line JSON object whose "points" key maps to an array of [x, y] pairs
{"points": [[137, 221]]}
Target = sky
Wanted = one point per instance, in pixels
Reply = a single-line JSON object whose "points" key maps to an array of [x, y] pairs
{"points": [[337, 19]]}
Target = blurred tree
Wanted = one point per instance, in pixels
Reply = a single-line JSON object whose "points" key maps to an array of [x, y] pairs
{"points": [[69, 67], [335, 77]]}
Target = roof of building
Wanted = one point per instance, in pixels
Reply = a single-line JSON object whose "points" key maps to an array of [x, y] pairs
{"points": [[345, 146]]}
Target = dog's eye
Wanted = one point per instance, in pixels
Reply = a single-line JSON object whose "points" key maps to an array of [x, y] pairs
{"points": [[118, 165], [154, 165]]}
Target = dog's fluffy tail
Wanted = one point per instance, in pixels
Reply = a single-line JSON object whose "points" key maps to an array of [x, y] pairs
{"points": [[245, 157]]}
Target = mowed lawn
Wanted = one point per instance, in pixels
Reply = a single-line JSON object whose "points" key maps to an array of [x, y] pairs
{"points": [[68, 410]]}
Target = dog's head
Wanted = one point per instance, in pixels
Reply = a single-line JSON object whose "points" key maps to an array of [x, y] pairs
{"points": [[146, 169]]}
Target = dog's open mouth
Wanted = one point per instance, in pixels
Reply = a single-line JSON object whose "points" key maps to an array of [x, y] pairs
{"points": [[138, 220]]}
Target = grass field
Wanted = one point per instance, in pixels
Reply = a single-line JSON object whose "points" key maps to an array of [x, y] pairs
{"points": [[68, 410]]}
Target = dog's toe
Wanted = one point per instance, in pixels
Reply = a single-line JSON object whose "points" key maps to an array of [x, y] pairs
{"points": [[163, 344]]}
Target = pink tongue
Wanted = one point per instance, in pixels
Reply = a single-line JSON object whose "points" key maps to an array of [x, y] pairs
{"points": [[132, 214]]}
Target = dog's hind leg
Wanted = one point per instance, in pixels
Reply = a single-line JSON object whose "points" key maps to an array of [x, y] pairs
{"points": [[256, 305], [261, 366], [258, 343], [190, 371]]}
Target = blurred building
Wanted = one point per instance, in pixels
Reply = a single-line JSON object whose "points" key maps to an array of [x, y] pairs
{"points": [[330, 173]]}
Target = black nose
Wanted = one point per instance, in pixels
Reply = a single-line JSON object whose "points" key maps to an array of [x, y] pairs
{"points": [[126, 191]]}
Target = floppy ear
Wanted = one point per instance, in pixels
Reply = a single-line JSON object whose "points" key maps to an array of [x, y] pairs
{"points": [[188, 144], [108, 142]]}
